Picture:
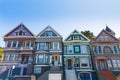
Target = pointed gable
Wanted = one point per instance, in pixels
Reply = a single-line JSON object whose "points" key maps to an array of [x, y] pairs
{"points": [[48, 32], [75, 35], [105, 36], [20, 30]]}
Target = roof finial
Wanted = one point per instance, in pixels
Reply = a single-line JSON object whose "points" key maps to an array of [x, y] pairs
{"points": [[106, 25]]}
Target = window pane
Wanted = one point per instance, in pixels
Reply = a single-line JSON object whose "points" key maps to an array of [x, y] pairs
{"points": [[84, 49], [115, 49], [40, 59], [56, 45], [114, 63], [9, 43], [77, 49], [11, 57], [37, 70], [42, 46], [70, 49], [109, 63], [99, 49], [76, 37], [118, 63], [14, 43]]}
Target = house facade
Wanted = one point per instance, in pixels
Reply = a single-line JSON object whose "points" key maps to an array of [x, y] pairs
{"points": [[17, 55], [48, 55], [77, 58], [106, 52]]}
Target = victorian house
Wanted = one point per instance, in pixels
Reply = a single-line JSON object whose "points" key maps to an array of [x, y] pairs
{"points": [[17, 55], [77, 58], [106, 54], [48, 55]]}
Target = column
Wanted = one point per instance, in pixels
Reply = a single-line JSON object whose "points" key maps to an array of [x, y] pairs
{"points": [[11, 43], [20, 58], [53, 45], [58, 45], [96, 65], [30, 59], [30, 44], [38, 46], [36, 58], [60, 59], [50, 59], [6, 43], [8, 57], [17, 44], [44, 58], [14, 57]]}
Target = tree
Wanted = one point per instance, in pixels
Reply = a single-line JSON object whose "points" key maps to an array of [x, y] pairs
{"points": [[1, 53], [88, 34]]}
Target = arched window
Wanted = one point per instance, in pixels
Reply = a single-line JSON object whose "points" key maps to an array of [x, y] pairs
{"points": [[107, 50]]}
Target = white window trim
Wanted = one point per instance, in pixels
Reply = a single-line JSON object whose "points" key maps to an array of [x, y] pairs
{"points": [[87, 63]]}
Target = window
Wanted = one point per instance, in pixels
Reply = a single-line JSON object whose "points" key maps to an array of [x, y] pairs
{"points": [[107, 50], [95, 49], [99, 49], [19, 44], [70, 49], [14, 43], [56, 44], [20, 33], [76, 49], [49, 34], [51, 45], [109, 63], [16, 33], [5, 57], [84, 62], [16, 57], [47, 46], [65, 49], [46, 59], [114, 63], [9, 43], [11, 57], [84, 49], [40, 59], [27, 44], [76, 37], [118, 63], [37, 70], [115, 49], [42, 46]]}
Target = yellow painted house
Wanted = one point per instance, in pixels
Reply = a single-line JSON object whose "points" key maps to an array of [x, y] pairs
{"points": [[1, 50]]}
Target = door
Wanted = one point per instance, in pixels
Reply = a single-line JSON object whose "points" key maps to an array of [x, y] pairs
{"points": [[69, 64]]}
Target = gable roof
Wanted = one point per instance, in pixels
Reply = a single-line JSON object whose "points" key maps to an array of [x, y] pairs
{"points": [[20, 25], [77, 32], [48, 28], [106, 33]]}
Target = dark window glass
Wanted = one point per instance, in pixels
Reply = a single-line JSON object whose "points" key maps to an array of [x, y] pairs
{"points": [[99, 49], [115, 49]]}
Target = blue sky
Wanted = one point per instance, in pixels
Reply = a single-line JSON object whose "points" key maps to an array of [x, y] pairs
{"points": [[63, 15]]}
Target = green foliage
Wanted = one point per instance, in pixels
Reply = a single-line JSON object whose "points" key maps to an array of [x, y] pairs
{"points": [[88, 34]]}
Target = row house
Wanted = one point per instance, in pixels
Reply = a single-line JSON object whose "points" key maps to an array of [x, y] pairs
{"points": [[48, 55], [106, 53], [77, 57], [17, 55]]}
